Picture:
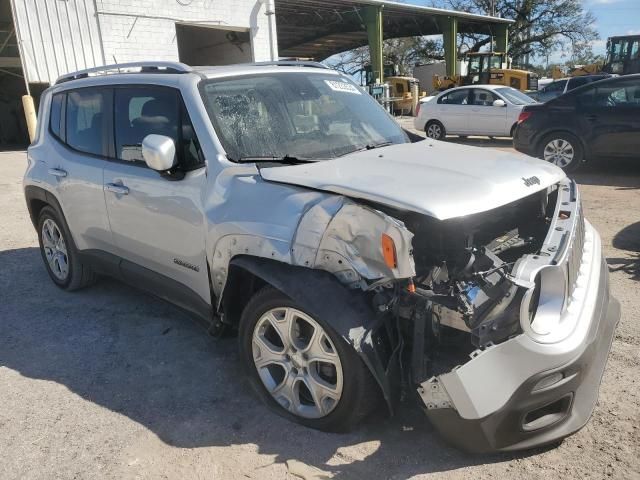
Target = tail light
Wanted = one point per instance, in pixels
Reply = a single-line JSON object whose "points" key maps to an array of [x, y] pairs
{"points": [[524, 116]]}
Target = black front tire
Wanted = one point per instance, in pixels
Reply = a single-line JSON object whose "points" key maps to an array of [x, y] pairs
{"points": [[360, 392], [79, 274]]}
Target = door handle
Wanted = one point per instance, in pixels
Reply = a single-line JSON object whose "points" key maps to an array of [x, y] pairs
{"points": [[57, 172], [117, 189]]}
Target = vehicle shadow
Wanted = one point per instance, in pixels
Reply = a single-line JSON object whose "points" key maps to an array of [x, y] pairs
{"points": [[622, 174], [627, 239], [145, 359]]}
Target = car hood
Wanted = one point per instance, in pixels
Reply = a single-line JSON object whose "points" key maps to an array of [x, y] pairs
{"points": [[439, 179]]}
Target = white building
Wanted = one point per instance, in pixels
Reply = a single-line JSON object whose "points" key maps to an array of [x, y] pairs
{"points": [[59, 36], [41, 40]]}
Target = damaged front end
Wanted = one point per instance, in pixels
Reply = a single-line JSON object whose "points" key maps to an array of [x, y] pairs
{"points": [[488, 327]]}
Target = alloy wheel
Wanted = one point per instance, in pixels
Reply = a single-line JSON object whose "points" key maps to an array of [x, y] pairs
{"points": [[297, 362], [560, 152], [434, 131], [55, 249]]}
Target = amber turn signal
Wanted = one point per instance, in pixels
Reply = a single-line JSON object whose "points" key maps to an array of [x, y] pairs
{"points": [[389, 251]]}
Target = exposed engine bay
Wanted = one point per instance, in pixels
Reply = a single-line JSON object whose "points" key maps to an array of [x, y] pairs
{"points": [[463, 295]]}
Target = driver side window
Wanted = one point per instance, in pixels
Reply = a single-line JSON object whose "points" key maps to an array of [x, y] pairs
{"points": [[145, 110], [483, 98]]}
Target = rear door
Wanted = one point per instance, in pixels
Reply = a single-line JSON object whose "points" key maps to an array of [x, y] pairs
{"points": [[80, 130], [485, 118], [157, 221], [611, 115], [454, 110]]}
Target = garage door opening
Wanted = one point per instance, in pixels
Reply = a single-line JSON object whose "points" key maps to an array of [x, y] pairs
{"points": [[198, 45]]}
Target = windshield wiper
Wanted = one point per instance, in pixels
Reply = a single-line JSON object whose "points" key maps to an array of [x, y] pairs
{"points": [[271, 159], [371, 146]]}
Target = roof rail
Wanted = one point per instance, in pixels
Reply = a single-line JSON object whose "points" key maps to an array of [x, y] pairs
{"points": [[291, 63], [146, 67]]}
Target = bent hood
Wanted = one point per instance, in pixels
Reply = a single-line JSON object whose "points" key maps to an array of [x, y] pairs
{"points": [[439, 179]]}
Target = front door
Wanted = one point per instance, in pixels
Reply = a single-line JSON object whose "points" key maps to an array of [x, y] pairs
{"points": [[485, 118], [157, 221]]}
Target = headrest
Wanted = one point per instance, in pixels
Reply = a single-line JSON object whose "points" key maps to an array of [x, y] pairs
{"points": [[153, 108]]}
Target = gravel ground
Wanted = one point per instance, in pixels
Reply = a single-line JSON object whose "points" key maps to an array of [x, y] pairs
{"points": [[110, 383]]}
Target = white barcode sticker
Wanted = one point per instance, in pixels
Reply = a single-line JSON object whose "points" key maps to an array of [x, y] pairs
{"points": [[344, 87]]}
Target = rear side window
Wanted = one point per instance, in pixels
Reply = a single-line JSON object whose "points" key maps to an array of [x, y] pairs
{"points": [[457, 97], [578, 82], [55, 116], [142, 111], [85, 123], [556, 86]]}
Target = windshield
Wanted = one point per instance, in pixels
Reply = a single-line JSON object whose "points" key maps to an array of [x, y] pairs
{"points": [[306, 116], [515, 96]]}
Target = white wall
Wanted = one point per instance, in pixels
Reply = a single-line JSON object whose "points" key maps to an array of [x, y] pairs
{"points": [[56, 37], [145, 29], [59, 36]]}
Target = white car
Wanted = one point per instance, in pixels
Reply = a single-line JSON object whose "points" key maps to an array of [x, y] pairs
{"points": [[491, 110]]}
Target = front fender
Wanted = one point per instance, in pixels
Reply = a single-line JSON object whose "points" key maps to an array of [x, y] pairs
{"points": [[347, 311]]}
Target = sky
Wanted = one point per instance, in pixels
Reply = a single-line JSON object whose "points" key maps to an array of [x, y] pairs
{"points": [[613, 17]]}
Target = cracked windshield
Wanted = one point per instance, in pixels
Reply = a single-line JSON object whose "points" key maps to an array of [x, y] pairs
{"points": [[285, 116]]}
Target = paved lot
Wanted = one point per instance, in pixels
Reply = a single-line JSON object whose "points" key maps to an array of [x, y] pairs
{"points": [[110, 383]]}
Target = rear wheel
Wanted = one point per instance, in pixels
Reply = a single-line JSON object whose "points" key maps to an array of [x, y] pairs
{"points": [[435, 130], [301, 367], [562, 149], [59, 253]]}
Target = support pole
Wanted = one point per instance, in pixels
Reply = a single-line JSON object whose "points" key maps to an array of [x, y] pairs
{"points": [[449, 27], [372, 16], [30, 115]]}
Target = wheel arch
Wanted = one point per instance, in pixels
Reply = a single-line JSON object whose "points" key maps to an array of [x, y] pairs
{"points": [[349, 313], [37, 198]]}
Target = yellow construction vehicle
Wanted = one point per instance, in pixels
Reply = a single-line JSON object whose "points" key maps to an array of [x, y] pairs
{"points": [[404, 92], [488, 68], [623, 58]]}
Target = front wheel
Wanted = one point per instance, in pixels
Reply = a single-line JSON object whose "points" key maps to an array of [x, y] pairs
{"points": [[300, 367], [562, 149]]}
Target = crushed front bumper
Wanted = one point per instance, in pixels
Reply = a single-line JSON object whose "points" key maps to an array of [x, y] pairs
{"points": [[524, 393]]}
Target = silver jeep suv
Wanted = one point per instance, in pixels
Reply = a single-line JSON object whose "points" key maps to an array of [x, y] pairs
{"points": [[281, 202]]}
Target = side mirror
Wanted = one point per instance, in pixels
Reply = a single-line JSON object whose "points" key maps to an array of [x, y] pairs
{"points": [[159, 152], [499, 103]]}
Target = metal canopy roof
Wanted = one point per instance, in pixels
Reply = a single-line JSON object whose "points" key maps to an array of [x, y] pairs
{"points": [[321, 28]]}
